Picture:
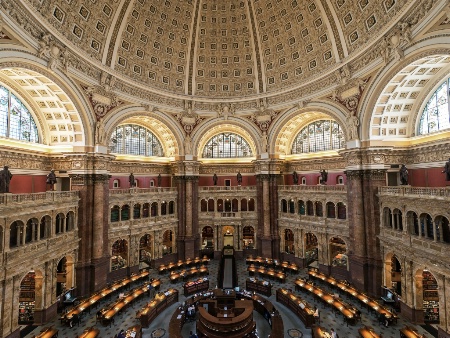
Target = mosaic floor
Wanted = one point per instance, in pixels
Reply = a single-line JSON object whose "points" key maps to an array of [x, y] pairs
{"points": [[292, 324]]}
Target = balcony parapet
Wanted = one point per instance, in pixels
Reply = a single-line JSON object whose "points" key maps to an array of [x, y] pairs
{"points": [[43, 197], [134, 191], [313, 188], [416, 192], [223, 188]]}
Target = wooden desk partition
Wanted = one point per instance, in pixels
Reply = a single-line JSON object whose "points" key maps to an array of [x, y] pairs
{"points": [[260, 286], [157, 305], [135, 330], [297, 305], [199, 285]]}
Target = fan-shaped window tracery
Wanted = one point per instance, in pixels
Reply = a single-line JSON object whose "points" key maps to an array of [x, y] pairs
{"points": [[15, 120], [227, 145], [133, 139], [319, 136], [436, 114]]}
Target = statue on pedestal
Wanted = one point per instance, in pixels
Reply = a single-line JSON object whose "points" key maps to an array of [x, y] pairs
{"points": [[215, 179], [5, 179], [159, 180], [447, 170], [324, 175], [295, 177], [403, 175], [239, 178], [51, 179], [132, 180]]}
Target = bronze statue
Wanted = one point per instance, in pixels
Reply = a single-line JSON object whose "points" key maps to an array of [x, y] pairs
{"points": [[5, 179], [324, 175], [295, 177], [132, 180], [159, 180], [239, 178], [447, 170], [51, 179], [215, 179], [403, 175]]}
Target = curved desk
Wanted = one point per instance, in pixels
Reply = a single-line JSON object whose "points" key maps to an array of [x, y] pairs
{"points": [[262, 305], [351, 291], [368, 332], [347, 311], [91, 332], [234, 323]]}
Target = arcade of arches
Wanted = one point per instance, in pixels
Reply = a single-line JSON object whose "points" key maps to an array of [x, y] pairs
{"points": [[168, 145]]}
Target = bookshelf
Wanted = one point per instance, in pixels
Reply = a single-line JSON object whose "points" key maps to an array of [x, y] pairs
{"points": [[27, 298], [430, 298]]}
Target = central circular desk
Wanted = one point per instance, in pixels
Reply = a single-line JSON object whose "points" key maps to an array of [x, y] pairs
{"points": [[217, 319]]}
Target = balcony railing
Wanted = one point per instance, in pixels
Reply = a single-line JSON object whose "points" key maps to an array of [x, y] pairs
{"points": [[141, 190], [316, 188], [49, 196], [415, 191], [222, 188]]}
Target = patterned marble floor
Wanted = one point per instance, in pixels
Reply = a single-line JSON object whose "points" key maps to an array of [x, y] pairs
{"points": [[328, 318]]}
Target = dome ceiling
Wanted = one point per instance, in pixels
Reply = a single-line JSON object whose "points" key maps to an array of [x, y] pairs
{"points": [[219, 49]]}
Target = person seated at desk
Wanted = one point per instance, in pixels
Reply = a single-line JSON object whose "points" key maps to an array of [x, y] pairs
{"points": [[74, 320], [121, 334]]}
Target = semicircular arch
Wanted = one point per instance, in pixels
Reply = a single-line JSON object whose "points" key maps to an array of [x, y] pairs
{"points": [[157, 122], [293, 120], [63, 114]]}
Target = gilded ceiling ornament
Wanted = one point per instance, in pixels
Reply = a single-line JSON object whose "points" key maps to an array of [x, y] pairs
{"points": [[188, 118], [101, 100]]}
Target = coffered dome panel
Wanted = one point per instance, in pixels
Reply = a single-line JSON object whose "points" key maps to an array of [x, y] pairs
{"points": [[215, 49]]}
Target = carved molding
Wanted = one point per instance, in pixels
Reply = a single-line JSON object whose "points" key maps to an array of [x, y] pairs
{"points": [[88, 179]]}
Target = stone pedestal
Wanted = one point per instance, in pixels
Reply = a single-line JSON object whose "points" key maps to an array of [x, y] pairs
{"points": [[44, 315], [14, 334], [442, 333], [265, 246], [413, 315]]}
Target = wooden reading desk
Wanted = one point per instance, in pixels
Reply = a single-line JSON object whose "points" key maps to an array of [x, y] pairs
{"points": [[97, 297], [48, 332], [91, 332], [350, 290], [410, 332], [349, 313], [368, 332], [122, 303]]}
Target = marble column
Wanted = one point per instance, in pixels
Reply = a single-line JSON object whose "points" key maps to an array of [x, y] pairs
{"points": [[93, 223], [364, 227]]}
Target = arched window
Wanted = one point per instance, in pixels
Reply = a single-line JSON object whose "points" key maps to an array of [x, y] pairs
{"points": [[435, 115], [15, 120], [226, 145], [319, 136], [135, 140]]}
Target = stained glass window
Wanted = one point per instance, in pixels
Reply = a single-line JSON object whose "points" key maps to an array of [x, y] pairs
{"points": [[135, 140], [227, 145], [436, 114], [15, 120], [319, 136]]}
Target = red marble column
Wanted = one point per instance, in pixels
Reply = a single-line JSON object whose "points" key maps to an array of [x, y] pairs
{"points": [[187, 240], [93, 213], [264, 232], [364, 226]]}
